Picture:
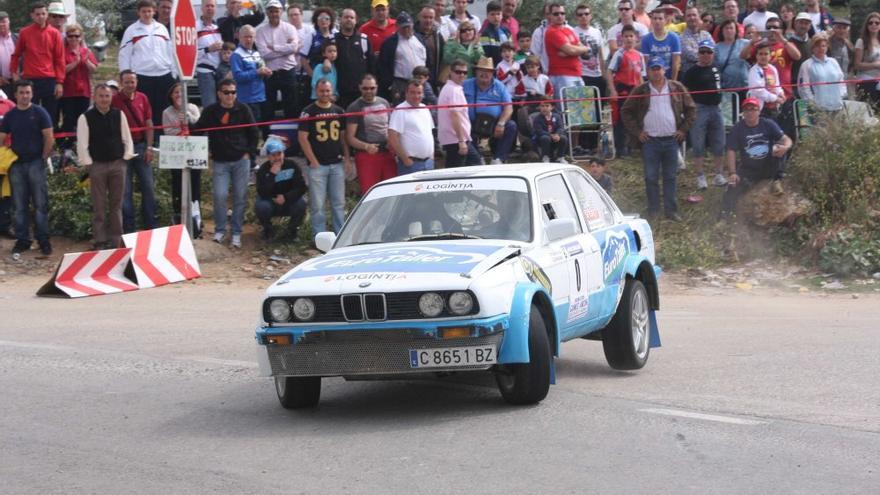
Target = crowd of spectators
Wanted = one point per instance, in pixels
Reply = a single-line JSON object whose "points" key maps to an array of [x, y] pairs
{"points": [[665, 72]]}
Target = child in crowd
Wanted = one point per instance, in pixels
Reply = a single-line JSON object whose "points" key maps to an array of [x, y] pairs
{"points": [[508, 71], [533, 82], [423, 75], [327, 70], [494, 34], [625, 71], [547, 128], [598, 170], [764, 83], [524, 40], [224, 68]]}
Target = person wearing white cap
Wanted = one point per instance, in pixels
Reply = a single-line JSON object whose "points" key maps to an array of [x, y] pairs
{"points": [[57, 16], [800, 38], [278, 43]]}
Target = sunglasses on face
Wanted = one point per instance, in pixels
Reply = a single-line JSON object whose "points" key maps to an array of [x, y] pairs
{"points": [[53, 16], [228, 92], [460, 72], [74, 36], [624, 9], [874, 23], [705, 52], [323, 18]]}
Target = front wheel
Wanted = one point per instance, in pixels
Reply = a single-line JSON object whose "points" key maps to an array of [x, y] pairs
{"points": [[298, 392], [626, 338], [528, 383]]}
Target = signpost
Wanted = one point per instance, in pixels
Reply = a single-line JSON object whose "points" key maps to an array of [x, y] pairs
{"points": [[184, 37]]}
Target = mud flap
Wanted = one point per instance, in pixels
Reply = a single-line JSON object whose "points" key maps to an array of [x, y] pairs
{"points": [[552, 371], [654, 338]]}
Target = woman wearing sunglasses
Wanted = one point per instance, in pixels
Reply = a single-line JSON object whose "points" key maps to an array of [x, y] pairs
{"points": [[464, 47], [80, 64], [867, 59]]}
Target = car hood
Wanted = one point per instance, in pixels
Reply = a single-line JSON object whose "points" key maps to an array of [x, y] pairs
{"points": [[395, 267]]}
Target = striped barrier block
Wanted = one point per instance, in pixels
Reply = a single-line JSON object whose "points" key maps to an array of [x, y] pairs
{"points": [[90, 273], [162, 256]]}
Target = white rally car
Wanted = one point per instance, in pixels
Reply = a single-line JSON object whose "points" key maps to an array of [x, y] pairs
{"points": [[477, 268]]}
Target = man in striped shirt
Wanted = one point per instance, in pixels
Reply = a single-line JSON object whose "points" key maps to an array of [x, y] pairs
{"points": [[209, 45]]}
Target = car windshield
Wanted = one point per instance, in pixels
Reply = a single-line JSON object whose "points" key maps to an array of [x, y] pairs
{"points": [[485, 208]]}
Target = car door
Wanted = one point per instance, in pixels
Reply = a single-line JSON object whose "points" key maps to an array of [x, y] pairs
{"points": [[601, 233], [566, 256]]}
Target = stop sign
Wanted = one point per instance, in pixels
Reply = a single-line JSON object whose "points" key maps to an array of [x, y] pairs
{"points": [[184, 37]]}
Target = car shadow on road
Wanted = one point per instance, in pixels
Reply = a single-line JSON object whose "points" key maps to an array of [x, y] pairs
{"points": [[579, 368]]}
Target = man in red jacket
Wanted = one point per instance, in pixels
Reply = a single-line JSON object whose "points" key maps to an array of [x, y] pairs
{"points": [[41, 50]]}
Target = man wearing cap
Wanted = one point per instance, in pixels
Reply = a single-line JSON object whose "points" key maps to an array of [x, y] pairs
{"points": [[39, 57], [7, 48], [400, 54], [704, 81], [659, 114], [691, 37], [280, 190], [760, 15], [278, 43], [492, 121], [209, 43], [410, 132], [147, 50], [840, 47], [660, 42], [800, 38], [380, 27], [57, 16], [761, 145]]}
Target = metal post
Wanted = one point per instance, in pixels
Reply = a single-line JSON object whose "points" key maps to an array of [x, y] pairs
{"points": [[185, 181]]}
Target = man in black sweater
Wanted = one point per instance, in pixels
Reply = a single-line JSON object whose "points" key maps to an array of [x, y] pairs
{"points": [[230, 25], [703, 80], [280, 190], [104, 143], [231, 150]]}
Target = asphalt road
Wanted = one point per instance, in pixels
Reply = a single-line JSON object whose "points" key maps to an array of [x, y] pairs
{"points": [[156, 392]]}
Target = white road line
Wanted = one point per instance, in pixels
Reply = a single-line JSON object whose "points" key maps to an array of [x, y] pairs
{"points": [[69, 349], [705, 417]]}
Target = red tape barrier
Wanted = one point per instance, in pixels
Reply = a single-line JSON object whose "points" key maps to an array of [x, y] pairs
{"points": [[478, 105]]}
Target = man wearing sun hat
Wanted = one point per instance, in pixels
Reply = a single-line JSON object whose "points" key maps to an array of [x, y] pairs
{"points": [[762, 146], [380, 26], [704, 80], [658, 114]]}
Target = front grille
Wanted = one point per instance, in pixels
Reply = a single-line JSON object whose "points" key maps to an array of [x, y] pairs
{"points": [[374, 305], [352, 308], [339, 353]]}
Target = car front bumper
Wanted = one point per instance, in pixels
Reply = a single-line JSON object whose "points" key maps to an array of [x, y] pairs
{"points": [[373, 349]]}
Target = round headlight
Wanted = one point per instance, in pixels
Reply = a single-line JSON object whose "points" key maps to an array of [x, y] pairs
{"points": [[304, 309], [431, 304], [460, 303], [279, 310]]}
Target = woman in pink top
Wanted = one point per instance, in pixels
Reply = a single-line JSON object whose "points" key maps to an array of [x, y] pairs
{"points": [[79, 64]]}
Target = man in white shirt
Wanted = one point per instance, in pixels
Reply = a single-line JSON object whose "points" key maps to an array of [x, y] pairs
{"points": [[449, 23], [278, 43], [7, 47], [410, 132], [209, 44], [146, 49], [759, 16], [592, 63]]}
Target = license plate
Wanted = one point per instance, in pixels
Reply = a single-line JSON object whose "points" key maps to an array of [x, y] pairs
{"points": [[452, 356]]}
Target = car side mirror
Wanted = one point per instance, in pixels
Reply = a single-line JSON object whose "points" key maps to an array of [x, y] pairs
{"points": [[560, 228], [324, 241]]}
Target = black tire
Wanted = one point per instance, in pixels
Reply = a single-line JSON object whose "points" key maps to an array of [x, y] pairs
{"points": [[528, 383], [626, 338], [298, 392]]}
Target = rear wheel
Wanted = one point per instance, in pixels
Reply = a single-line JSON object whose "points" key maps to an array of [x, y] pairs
{"points": [[298, 392], [528, 383], [626, 338]]}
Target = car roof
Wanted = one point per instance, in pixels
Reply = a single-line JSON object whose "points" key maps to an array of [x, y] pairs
{"points": [[524, 170]]}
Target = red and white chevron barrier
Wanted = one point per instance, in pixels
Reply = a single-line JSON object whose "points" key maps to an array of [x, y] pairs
{"points": [[90, 274], [162, 256], [151, 258]]}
